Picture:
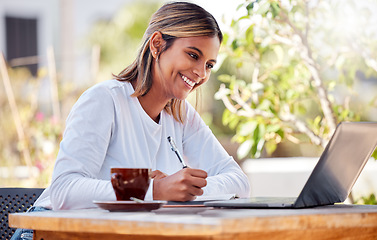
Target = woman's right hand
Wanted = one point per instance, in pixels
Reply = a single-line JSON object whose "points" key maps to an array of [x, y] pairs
{"points": [[183, 185]]}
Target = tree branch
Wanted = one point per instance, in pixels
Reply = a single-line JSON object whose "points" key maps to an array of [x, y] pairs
{"points": [[313, 69], [254, 80], [303, 128], [369, 61], [15, 113]]}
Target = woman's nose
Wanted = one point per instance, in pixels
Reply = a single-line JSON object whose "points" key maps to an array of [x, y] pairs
{"points": [[200, 70]]}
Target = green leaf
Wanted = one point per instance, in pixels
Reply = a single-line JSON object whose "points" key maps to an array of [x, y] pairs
{"points": [[260, 147], [225, 38], [247, 128], [263, 8], [244, 149], [239, 65], [240, 6], [251, 6], [226, 117], [261, 131], [275, 9], [281, 133], [374, 154], [272, 128], [234, 44], [234, 120], [225, 78], [278, 50], [265, 105], [250, 35], [369, 200], [270, 146], [317, 121]]}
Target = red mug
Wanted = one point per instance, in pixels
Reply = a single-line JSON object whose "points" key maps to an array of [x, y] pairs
{"points": [[130, 182]]}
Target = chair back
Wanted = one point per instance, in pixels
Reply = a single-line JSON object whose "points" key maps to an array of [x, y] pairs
{"points": [[14, 200]]}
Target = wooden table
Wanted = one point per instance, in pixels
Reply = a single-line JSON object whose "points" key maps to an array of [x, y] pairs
{"points": [[329, 222]]}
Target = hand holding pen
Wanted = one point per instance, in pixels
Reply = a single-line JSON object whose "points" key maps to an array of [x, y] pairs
{"points": [[175, 149], [183, 185]]}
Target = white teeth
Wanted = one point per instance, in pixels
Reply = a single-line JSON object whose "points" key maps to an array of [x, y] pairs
{"points": [[188, 81]]}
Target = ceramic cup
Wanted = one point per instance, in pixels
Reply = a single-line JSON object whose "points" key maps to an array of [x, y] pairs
{"points": [[130, 182]]}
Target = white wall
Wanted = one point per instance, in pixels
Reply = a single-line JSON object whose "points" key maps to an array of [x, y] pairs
{"points": [[46, 11], [62, 24], [285, 177], [76, 56]]}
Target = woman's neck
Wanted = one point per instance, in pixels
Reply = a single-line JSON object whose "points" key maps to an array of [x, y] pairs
{"points": [[152, 107], [153, 102]]}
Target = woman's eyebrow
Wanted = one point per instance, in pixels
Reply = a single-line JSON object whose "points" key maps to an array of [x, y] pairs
{"points": [[197, 49], [201, 53]]}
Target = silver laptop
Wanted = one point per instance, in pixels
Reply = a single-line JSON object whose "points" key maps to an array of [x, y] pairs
{"points": [[332, 178]]}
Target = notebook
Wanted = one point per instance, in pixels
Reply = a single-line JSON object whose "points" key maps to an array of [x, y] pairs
{"points": [[200, 200], [332, 178]]}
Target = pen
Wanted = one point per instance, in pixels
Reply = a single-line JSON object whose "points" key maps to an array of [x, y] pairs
{"points": [[175, 149], [136, 200]]}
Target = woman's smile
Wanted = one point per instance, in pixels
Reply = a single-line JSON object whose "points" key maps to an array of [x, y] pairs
{"points": [[188, 81]]}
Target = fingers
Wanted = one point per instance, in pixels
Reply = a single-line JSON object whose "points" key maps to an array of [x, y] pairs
{"points": [[157, 174], [193, 178], [184, 185], [196, 172]]}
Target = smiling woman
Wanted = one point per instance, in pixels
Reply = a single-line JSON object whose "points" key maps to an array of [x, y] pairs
{"points": [[125, 122], [169, 23], [180, 69]]}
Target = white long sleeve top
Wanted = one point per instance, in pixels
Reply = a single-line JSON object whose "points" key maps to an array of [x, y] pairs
{"points": [[108, 128]]}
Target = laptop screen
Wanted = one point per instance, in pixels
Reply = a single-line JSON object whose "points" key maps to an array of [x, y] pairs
{"points": [[340, 164]]}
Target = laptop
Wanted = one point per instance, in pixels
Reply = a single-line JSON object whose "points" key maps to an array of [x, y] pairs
{"points": [[332, 178]]}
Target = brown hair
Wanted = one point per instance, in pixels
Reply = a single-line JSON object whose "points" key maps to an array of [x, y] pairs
{"points": [[172, 20]]}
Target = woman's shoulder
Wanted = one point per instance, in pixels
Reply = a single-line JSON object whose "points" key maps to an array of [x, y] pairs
{"points": [[190, 110], [104, 95], [108, 87], [193, 117]]}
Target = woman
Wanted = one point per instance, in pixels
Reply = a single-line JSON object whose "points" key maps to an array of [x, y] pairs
{"points": [[125, 122]]}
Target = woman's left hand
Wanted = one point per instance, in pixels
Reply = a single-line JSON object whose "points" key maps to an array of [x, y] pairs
{"points": [[157, 174]]}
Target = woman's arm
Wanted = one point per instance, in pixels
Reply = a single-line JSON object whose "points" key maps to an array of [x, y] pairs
{"points": [[202, 150], [75, 182]]}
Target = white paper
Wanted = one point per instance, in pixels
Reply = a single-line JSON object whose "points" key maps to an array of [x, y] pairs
{"points": [[216, 197]]}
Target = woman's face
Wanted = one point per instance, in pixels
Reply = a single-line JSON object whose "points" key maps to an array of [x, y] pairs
{"points": [[185, 65]]}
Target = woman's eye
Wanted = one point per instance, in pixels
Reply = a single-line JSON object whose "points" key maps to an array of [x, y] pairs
{"points": [[210, 66], [193, 55]]}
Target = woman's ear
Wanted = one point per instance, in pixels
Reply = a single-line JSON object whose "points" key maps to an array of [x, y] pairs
{"points": [[155, 44]]}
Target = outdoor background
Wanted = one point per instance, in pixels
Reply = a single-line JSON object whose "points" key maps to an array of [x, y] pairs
{"points": [[288, 73]]}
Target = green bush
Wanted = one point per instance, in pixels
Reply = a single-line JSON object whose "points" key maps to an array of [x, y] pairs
{"points": [[296, 68]]}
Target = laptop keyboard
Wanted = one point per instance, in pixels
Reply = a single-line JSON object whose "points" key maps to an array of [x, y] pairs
{"points": [[287, 200]]}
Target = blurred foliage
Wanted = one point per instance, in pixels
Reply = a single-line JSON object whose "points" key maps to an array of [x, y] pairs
{"points": [[120, 37], [369, 200], [298, 70], [42, 131]]}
